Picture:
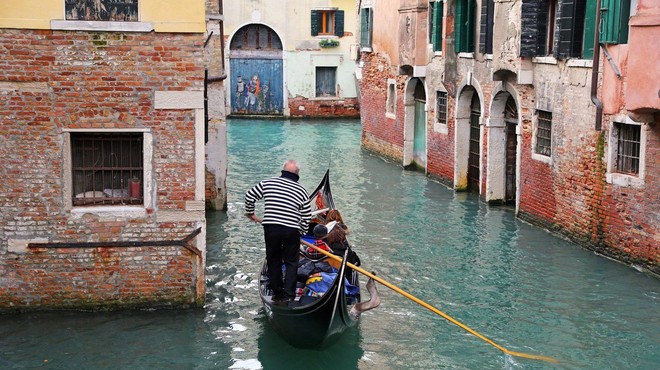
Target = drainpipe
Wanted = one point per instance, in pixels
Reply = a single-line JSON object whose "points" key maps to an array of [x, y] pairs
{"points": [[594, 72]]}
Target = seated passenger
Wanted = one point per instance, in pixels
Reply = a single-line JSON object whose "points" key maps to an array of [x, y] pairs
{"points": [[334, 215]]}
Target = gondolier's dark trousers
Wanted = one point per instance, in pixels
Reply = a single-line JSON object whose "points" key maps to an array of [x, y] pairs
{"points": [[282, 246]]}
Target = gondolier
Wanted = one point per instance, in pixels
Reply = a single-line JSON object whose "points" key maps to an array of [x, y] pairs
{"points": [[286, 217]]}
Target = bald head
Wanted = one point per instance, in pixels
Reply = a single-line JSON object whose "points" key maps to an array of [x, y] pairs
{"points": [[292, 166]]}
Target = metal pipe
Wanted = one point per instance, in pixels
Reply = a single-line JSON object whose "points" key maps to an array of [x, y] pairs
{"points": [[594, 72]]}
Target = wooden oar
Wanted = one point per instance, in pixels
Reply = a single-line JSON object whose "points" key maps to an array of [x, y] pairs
{"points": [[433, 309]]}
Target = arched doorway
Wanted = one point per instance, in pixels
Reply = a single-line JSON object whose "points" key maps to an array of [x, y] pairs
{"points": [[474, 155], [511, 121], [503, 147], [256, 72], [467, 141], [414, 136], [419, 142]]}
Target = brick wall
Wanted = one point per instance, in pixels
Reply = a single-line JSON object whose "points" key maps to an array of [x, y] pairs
{"points": [[50, 81], [303, 107], [380, 134]]}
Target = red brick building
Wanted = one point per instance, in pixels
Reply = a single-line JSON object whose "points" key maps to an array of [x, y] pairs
{"points": [[102, 135], [509, 100]]}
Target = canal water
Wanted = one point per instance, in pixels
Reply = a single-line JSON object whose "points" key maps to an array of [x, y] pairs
{"points": [[521, 287]]}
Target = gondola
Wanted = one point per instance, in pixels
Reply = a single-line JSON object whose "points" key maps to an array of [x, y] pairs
{"points": [[319, 322]]}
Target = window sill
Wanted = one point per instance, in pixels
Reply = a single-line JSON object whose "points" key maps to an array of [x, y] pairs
{"points": [[488, 56], [466, 55], [62, 25], [623, 180], [112, 211], [390, 115], [542, 158], [365, 49], [441, 128], [326, 98], [544, 60], [579, 63]]}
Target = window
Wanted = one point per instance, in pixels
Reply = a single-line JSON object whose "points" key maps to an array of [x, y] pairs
{"points": [[544, 133], [101, 10], [326, 80], [538, 28], [465, 25], [614, 21], [576, 27], [391, 97], [563, 28], [107, 168], [366, 27], [435, 24], [256, 37], [441, 107], [628, 140], [328, 22], [486, 30]]}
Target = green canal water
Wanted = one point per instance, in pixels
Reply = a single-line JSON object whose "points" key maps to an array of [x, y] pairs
{"points": [[524, 289]]}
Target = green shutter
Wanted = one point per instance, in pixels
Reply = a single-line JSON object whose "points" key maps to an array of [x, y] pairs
{"points": [[471, 24], [339, 23], [589, 30], [436, 37], [614, 21], [315, 23], [465, 25], [458, 26]]}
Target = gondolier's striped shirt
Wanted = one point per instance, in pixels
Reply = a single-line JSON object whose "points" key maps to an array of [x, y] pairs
{"points": [[286, 202]]}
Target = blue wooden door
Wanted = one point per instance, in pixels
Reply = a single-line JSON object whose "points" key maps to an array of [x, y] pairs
{"points": [[256, 86]]}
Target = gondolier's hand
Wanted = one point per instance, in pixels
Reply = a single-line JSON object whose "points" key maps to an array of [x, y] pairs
{"points": [[253, 217]]}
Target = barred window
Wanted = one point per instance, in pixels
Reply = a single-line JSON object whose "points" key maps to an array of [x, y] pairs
{"points": [[544, 133], [101, 10], [627, 148], [326, 81], [107, 168], [441, 107]]}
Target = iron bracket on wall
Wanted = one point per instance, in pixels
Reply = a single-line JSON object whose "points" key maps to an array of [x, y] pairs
{"points": [[126, 244]]}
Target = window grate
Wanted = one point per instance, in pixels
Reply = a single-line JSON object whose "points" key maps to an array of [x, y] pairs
{"points": [[544, 133], [628, 148], [441, 107], [101, 10], [107, 168]]}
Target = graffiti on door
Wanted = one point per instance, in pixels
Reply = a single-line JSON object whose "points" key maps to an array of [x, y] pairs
{"points": [[257, 86]]}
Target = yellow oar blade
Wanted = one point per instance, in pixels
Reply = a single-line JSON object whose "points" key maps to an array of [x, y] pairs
{"points": [[431, 308]]}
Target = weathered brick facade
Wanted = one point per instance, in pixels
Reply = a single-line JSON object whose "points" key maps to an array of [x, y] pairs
{"points": [[303, 107], [573, 191], [55, 82]]}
